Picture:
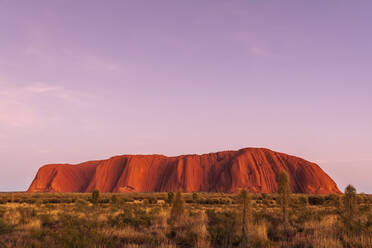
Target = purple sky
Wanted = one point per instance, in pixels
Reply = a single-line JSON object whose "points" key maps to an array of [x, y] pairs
{"points": [[83, 80]]}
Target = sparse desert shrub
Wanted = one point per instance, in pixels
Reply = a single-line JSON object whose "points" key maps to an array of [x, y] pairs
{"points": [[152, 200], [146, 202], [2, 212], [195, 197], [170, 197], [350, 204], [126, 199], [32, 225], [81, 205], [259, 216], [222, 228], [316, 200], [246, 215], [79, 232], [333, 200], [183, 234], [26, 214], [304, 215], [104, 200], [177, 208], [53, 201], [350, 209], [5, 227], [201, 200], [133, 216], [46, 220], [281, 232], [303, 200], [114, 200], [284, 191], [201, 229], [12, 217], [225, 201], [369, 220], [264, 196], [25, 224], [95, 196], [365, 208], [258, 236]]}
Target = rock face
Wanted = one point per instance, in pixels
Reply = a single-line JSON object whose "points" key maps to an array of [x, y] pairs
{"points": [[256, 169]]}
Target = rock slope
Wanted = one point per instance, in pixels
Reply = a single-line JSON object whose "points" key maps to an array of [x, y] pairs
{"points": [[256, 169]]}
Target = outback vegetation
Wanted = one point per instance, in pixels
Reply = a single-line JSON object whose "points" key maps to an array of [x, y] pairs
{"points": [[179, 219]]}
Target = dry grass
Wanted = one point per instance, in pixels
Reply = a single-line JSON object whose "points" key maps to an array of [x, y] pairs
{"points": [[129, 224], [33, 225]]}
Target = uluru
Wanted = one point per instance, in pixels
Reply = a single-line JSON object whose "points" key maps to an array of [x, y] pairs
{"points": [[256, 169]]}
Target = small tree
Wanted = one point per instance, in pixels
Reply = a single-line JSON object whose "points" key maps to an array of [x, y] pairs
{"points": [[95, 196], [246, 215], [284, 191], [177, 208], [350, 204], [170, 197]]}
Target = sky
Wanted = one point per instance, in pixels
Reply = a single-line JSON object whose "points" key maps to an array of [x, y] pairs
{"points": [[84, 80]]}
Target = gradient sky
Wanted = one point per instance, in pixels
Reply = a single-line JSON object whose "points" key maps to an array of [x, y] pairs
{"points": [[83, 80]]}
